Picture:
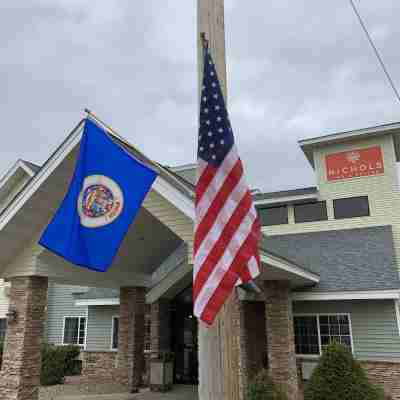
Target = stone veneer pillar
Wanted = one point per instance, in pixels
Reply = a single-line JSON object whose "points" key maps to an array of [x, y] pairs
{"points": [[20, 372], [280, 337], [160, 329], [130, 360], [252, 342]]}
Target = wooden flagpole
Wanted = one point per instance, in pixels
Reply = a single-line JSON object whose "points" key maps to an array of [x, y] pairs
{"points": [[218, 345]]}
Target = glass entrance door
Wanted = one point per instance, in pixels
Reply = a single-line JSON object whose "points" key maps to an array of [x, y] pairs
{"points": [[184, 339]]}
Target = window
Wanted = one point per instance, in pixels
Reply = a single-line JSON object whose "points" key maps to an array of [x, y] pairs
{"points": [[3, 329], [147, 332], [306, 335], [310, 212], [351, 207], [273, 215], [74, 330], [115, 333], [314, 332]]}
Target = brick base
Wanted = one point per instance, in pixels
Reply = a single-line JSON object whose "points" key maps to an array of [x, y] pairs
{"points": [[386, 374], [102, 367]]}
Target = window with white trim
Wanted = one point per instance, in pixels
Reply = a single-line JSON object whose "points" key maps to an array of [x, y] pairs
{"points": [[74, 330], [314, 332], [115, 333], [3, 329]]}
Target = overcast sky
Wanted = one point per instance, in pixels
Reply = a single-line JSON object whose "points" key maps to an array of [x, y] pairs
{"points": [[296, 69]]}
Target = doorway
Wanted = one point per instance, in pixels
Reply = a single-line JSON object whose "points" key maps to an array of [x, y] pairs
{"points": [[184, 339]]}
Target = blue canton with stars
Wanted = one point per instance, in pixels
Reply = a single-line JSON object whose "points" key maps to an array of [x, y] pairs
{"points": [[215, 133]]}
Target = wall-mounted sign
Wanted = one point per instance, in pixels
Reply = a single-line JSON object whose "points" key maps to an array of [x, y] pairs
{"points": [[354, 163]]}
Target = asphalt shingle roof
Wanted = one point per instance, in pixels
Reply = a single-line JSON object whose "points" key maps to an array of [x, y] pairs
{"points": [[351, 259]]}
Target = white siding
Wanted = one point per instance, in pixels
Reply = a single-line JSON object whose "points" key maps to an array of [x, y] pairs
{"points": [[99, 327], [3, 298], [374, 325], [61, 303]]}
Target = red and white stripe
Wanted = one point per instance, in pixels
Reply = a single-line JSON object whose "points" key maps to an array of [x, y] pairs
{"points": [[227, 231]]}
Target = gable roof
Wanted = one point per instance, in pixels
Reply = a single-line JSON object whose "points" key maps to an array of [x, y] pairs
{"points": [[346, 260], [308, 145], [178, 191]]}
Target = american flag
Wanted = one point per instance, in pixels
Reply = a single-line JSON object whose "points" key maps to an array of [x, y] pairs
{"points": [[227, 229]]}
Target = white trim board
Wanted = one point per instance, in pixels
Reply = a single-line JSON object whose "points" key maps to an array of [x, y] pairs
{"points": [[350, 295], [97, 302], [287, 199]]}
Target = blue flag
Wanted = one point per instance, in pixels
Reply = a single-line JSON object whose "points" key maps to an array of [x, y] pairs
{"points": [[105, 194]]}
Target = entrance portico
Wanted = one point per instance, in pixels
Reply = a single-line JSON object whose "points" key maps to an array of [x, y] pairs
{"points": [[153, 265]]}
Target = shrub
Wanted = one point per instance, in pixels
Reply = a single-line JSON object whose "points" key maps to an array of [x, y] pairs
{"points": [[262, 388], [57, 362], [338, 376], [71, 362]]}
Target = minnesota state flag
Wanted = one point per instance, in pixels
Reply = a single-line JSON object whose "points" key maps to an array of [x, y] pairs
{"points": [[104, 197]]}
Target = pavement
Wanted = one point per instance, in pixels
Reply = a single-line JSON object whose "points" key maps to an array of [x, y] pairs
{"points": [[180, 392]]}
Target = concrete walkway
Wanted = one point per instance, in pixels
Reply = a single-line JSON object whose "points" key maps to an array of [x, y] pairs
{"points": [[178, 393]]}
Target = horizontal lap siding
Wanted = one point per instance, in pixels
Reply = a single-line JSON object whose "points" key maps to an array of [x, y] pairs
{"points": [[61, 303], [169, 215], [374, 325], [99, 327], [3, 299]]}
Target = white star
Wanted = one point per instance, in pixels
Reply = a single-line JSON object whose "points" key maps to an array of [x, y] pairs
{"points": [[212, 73], [208, 122], [210, 134], [211, 145], [215, 96], [204, 98], [204, 88], [213, 84], [214, 157], [201, 148], [219, 119], [220, 130], [217, 108], [206, 110], [222, 141]]}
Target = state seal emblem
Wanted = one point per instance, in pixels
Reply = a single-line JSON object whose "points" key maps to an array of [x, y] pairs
{"points": [[100, 201]]}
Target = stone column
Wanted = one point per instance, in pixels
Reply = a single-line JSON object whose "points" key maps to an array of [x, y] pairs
{"points": [[253, 342], [280, 337], [130, 358], [160, 327], [20, 372]]}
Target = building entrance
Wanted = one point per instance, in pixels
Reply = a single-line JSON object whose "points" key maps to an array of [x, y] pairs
{"points": [[184, 339]]}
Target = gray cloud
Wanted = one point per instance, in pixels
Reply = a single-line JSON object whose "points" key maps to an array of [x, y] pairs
{"points": [[295, 70]]}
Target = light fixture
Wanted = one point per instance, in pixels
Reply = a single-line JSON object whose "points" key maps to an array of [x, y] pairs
{"points": [[11, 314]]}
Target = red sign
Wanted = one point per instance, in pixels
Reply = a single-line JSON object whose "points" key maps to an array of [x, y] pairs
{"points": [[354, 163]]}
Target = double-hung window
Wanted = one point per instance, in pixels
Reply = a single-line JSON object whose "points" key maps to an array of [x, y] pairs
{"points": [[3, 329], [115, 333], [74, 330], [314, 332]]}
